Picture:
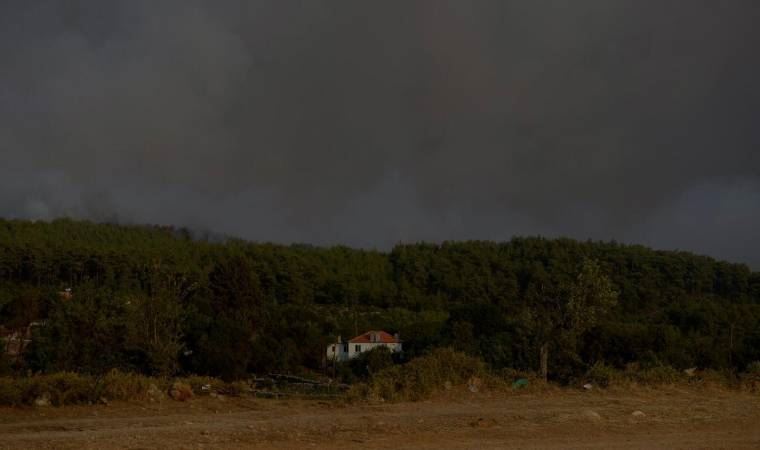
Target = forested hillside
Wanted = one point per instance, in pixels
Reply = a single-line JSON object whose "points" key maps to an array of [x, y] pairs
{"points": [[160, 300]]}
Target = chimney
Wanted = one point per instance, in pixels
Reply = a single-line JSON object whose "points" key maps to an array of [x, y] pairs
{"points": [[339, 339], [397, 336]]}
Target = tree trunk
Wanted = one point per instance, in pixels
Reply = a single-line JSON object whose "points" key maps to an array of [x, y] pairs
{"points": [[545, 361], [731, 347]]}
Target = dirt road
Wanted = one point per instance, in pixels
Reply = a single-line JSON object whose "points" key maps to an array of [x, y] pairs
{"points": [[665, 418]]}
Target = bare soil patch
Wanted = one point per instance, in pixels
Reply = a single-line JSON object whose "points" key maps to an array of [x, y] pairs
{"points": [[563, 419]]}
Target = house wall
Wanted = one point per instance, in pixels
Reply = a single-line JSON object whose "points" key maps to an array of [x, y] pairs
{"points": [[335, 351], [365, 347]]}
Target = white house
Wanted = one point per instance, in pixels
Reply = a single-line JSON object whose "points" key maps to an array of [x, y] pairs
{"points": [[343, 351]]}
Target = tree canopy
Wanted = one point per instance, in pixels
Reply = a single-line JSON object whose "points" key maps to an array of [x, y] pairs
{"points": [[230, 307]]}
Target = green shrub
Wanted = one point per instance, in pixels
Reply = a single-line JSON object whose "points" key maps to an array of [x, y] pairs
{"points": [[750, 379], [206, 385], [510, 375], [754, 369], [236, 388], [601, 374], [6, 366], [196, 382], [421, 377], [370, 362], [710, 377], [511, 379], [66, 388], [656, 375], [117, 385], [11, 391], [62, 388]]}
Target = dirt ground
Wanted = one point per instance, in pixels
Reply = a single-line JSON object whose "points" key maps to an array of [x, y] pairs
{"points": [[562, 419]]}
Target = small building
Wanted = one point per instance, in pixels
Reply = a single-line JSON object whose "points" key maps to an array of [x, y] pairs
{"points": [[343, 351]]}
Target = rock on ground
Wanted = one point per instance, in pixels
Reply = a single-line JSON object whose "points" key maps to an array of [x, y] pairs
{"points": [[592, 415], [43, 400]]}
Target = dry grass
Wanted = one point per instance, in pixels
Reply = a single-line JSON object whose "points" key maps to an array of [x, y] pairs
{"points": [[67, 388], [443, 370], [59, 389]]}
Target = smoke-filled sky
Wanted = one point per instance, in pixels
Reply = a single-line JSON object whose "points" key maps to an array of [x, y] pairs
{"points": [[372, 123]]}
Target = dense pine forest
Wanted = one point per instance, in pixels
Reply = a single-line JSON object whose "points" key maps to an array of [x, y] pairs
{"points": [[165, 301]]}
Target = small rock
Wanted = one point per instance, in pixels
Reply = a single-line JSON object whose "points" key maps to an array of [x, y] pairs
{"points": [[588, 386], [691, 372], [483, 423], [592, 415], [474, 384], [638, 414], [447, 385], [43, 400], [103, 401]]}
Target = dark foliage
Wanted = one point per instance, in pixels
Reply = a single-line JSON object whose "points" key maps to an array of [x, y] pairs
{"points": [[247, 307]]}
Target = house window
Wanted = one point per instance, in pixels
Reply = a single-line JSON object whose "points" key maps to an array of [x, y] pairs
{"points": [[358, 348], [345, 347], [333, 349]]}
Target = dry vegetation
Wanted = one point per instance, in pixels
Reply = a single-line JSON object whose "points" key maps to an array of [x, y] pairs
{"points": [[443, 400], [420, 379], [68, 388]]}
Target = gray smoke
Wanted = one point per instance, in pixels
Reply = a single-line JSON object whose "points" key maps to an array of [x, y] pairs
{"points": [[371, 123]]}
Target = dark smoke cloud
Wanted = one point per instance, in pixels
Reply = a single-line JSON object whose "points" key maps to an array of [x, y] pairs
{"points": [[370, 123]]}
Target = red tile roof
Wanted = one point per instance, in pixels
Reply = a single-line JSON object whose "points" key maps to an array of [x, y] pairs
{"points": [[379, 337]]}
